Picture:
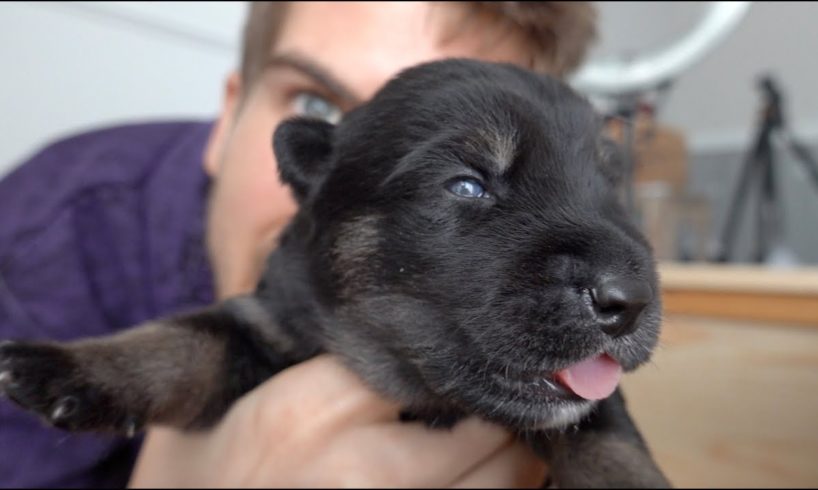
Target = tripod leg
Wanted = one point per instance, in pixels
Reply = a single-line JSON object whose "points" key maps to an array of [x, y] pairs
{"points": [[769, 219], [737, 202], [803, 154]]}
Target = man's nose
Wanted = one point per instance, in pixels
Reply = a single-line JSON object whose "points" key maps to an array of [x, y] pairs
{"points": [[618, 301]]}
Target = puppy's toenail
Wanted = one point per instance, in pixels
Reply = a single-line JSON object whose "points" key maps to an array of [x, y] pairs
{"points": [[5, 379], [65, 408], [130, 428]]}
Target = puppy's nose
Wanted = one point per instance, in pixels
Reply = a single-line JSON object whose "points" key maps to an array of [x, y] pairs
{"points": [[617, 303]]}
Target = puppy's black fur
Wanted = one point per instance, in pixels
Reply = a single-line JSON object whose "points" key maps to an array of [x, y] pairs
{"points": [[452, 240]]}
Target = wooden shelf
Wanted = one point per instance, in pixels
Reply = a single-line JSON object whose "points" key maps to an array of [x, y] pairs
{"points": [[743, 292]]}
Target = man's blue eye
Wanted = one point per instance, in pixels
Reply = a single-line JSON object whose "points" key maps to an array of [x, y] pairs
{"points": [[312, 105], [468, 187]]}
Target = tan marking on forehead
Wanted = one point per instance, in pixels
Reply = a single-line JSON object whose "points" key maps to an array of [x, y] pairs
{"points": [[502, 145], [356, 242]]}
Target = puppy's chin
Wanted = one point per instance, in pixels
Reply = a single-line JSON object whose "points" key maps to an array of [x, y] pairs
{"points": [[403, 347], [520, 411], [521, 402]]}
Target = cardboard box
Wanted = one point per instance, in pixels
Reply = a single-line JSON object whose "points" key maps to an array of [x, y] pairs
{"points": [[660, 153]]}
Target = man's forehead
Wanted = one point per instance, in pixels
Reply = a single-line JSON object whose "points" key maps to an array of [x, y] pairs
{"points": [[365, 44]]}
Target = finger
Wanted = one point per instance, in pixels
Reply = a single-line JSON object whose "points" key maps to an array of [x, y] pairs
{"points": [[158, 465], [512, 466], [323, 391], [412, 455]]}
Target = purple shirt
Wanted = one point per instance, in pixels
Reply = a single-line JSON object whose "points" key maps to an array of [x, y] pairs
{"points": [[98, 232]]}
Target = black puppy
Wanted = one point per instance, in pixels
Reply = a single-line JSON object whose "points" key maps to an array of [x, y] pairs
{"points": [[459, 243]]}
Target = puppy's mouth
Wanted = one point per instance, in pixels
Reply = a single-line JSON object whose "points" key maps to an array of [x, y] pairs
{"points": [[593, 378]]}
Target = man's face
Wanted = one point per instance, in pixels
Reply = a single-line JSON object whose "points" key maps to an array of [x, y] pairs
{"points": [[329, 58]]}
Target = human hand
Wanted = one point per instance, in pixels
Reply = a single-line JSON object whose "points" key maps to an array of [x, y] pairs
{"points": [[317, 425]]}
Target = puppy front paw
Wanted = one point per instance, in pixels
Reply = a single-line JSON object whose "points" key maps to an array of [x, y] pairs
{"points": [[46, 379]]}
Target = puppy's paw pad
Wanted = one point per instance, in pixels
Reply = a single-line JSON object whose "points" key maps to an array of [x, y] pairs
{"points": [[131, 427], [35, 376], [48, 380], [6, 376]]}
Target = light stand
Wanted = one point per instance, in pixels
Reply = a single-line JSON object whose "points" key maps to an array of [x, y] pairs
{"points": [[760, 166]]}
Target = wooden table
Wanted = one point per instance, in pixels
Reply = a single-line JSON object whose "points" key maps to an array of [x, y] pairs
{"points": [[726, 401]]}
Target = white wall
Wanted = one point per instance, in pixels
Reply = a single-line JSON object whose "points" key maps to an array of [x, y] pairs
{"points": [[67, 67]]}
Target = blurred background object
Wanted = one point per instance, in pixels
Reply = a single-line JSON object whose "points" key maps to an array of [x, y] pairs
{"points": [[697, 129], [760, 174], [622, 85]]}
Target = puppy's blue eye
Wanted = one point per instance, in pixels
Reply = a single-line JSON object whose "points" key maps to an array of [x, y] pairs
{"points": [[468, 187]]}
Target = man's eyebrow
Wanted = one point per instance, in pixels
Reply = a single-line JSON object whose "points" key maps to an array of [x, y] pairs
{"points": [[316, 72]]}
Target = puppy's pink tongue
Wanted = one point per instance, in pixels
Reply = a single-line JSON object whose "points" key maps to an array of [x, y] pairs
{"points": [[593, 379]]}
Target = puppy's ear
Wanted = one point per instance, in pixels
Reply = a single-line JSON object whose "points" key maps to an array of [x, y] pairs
{"points": [[303, 149]]}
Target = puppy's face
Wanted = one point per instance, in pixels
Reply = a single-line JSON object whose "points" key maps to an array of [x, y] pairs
{"points": [[464, 235]]}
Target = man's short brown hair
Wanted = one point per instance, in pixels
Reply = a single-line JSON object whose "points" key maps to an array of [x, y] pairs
{"points": [[559, 33]]}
